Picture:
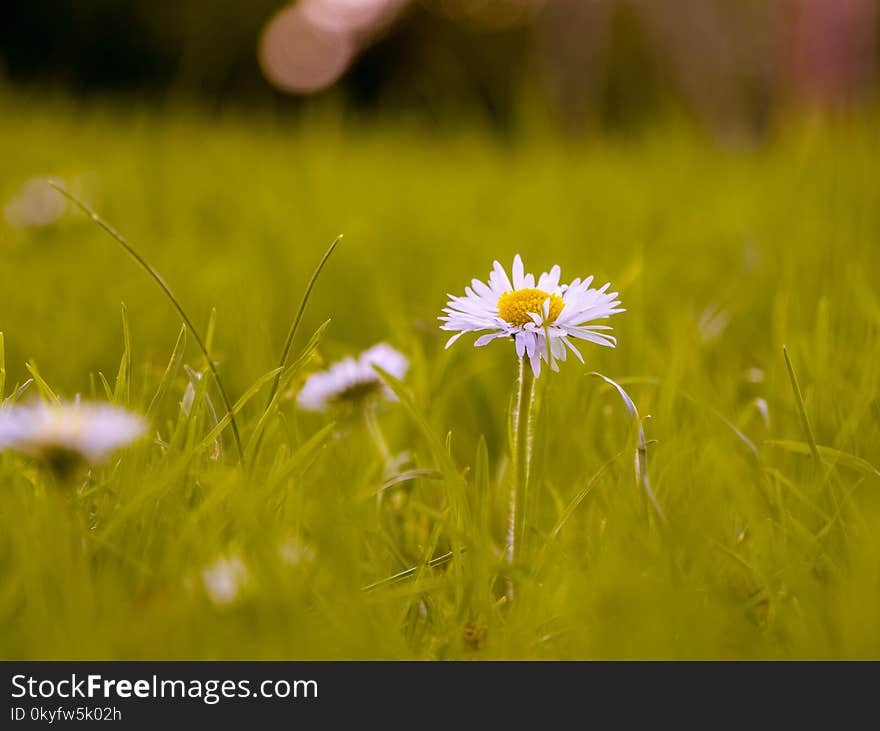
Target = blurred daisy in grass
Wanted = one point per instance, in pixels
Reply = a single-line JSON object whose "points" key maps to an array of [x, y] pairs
{"points": [[64, 433], [353, 382], [224, 579], [535, 313], [36, 204], [294, 552]]}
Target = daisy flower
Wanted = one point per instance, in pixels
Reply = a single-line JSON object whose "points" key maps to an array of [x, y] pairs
{"points": [[60, 431], [540, 315], [352, 381]]}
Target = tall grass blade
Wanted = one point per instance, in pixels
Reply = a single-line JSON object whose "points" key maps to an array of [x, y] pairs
{"points": [[44, 388], [108, 389], [170, 371], [256, 438], [581, 496], [145, 265], [805, 420], [291, 334], [641, 458], [406, 573], [304, 452], [829, 454], [17, 393], [198, 389], [239, 405], [455, 483], [456, 497], [122, 392]]}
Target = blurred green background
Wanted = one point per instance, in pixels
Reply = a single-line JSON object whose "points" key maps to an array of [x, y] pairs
{"points": [[716, 161], [736, 65]]}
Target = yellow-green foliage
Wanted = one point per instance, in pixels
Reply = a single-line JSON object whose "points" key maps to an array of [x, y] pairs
{"points": [[721, 256]]}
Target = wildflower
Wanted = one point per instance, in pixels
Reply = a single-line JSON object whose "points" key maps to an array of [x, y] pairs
{"points": [[536, 314], [224, 579], [294, 552], [352, 381], [64, 433], [35, 204]]}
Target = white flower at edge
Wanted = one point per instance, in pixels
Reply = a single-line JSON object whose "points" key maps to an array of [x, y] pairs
{"points": [[351, 380], [224, 579], [533, 313], [90, 430]]}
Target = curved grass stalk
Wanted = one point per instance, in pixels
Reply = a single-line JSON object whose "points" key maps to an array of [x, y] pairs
{"points": [[286, 375], [227, 403], [291, 334], [288, 343], [641, 456], [802, 409], [737, 432]]}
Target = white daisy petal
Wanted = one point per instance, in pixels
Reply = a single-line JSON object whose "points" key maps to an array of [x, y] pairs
{"points": [[486, 339], [518, 276], [535, 361], [501, 279], [453, 339]]}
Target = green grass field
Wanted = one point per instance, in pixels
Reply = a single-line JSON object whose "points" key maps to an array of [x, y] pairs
{"points": [[721, 257]]}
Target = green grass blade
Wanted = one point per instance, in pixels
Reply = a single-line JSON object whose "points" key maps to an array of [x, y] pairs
{"points": [[45, 390], [145, 265], [456, 496], [253, 445], [581, 496], [17, 392], [199, 384], [407, 573], [108, 389], [641, 460], [211, 330], [304, 452], [239, 405], [829, 454], [805, 420], [455, 483], [122, 392], [291, 334], [170, 371]]}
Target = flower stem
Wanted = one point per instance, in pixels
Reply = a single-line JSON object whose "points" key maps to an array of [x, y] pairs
{"points": [[375, 431], [521, 458]]}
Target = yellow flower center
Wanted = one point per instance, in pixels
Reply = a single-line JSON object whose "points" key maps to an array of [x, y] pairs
{"points": [[514, 307]]}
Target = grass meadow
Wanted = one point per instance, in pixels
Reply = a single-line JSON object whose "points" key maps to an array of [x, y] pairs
{"points": [[722, 255]]}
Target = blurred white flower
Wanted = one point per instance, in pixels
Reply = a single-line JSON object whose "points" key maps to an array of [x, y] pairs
{"points": [[224, 579], [352, 381], [532, 313], [754, 375], [89, 430], [293, 552], [35, 204], [712, 323]]}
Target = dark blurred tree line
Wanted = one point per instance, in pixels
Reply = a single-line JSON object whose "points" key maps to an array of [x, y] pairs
{"points": [[606, 62]]}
